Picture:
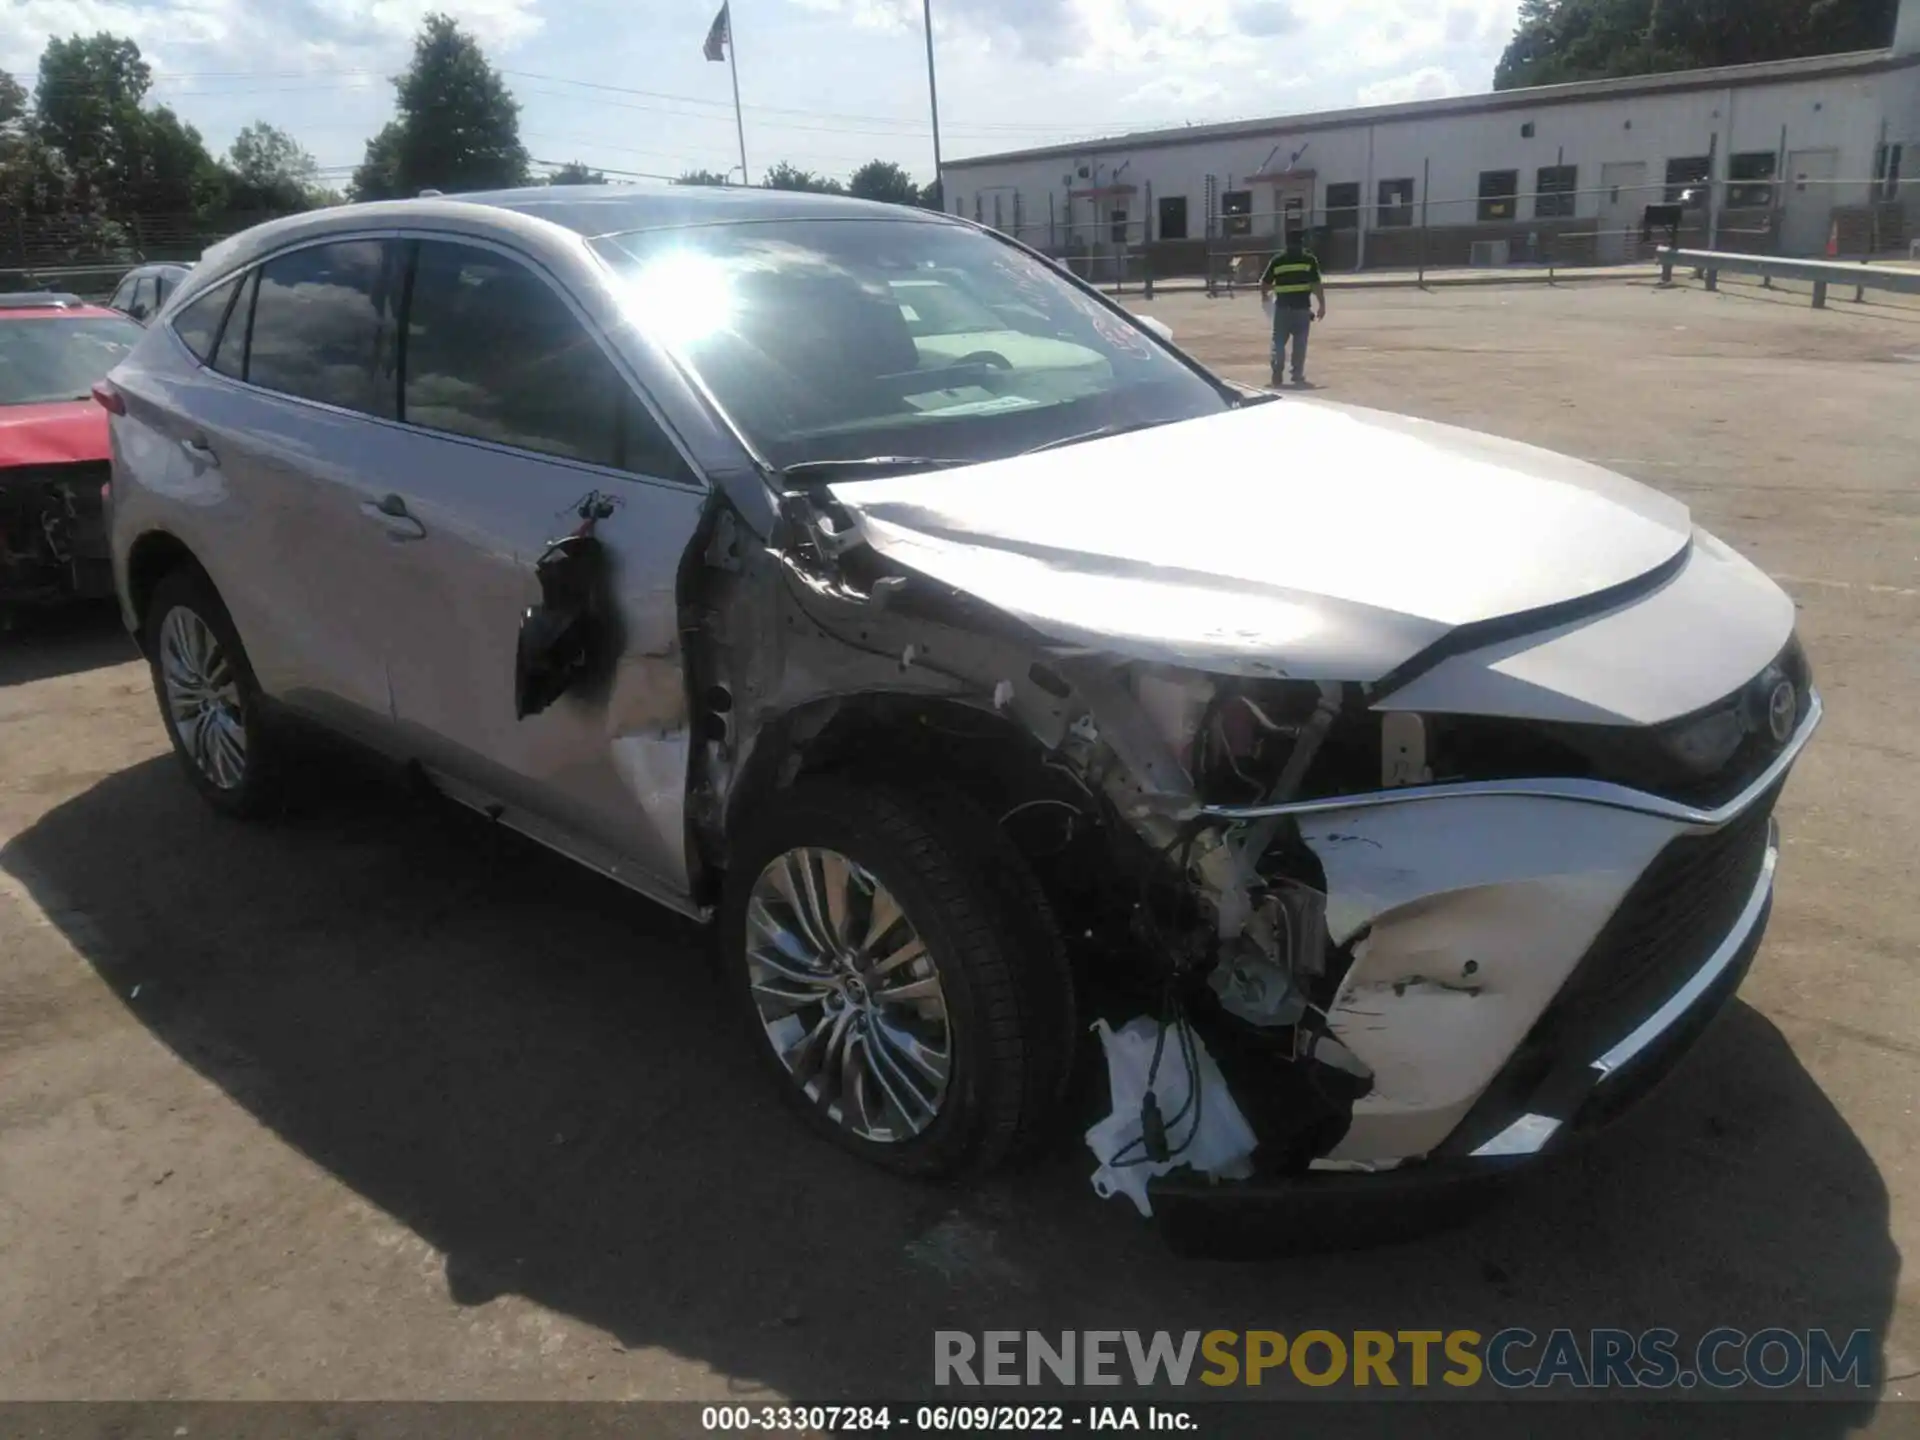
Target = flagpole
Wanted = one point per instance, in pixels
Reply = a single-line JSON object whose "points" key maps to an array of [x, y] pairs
{"points": [[933, 99], [739, 124]]}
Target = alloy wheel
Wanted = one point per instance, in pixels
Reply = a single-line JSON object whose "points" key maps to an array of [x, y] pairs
{"points": [[848, 994], [203, 698]]}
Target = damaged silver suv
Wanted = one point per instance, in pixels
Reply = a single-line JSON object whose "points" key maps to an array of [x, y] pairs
{"points": [[855, 578]]}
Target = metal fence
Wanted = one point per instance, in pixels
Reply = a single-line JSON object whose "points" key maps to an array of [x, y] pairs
{"points": [[85, 253], [1131, 243]]}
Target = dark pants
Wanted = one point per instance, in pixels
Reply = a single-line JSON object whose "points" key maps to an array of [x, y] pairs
{"points": [[1293, 326]]}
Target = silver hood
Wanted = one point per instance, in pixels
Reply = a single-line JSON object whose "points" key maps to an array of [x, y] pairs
{"points": [[1296, 538]]}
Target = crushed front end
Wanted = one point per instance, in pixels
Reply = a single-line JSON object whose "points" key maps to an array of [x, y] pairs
{"points": [[1416, 946], [53, 539]]}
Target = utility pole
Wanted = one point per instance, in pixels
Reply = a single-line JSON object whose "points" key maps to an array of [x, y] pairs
{"points": [[933, 100]]}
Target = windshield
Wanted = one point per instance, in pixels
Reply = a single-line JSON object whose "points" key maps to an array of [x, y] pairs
{"points": [[838, 339], [47, 359]]}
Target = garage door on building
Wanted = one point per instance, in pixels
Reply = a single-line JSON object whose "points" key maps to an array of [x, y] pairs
{"points": [[1623, 200], [1811, 196]]}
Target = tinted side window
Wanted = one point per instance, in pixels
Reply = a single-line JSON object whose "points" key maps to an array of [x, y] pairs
{"points": [[198, 323], [230, 356], [494, 353], [324, 325]]}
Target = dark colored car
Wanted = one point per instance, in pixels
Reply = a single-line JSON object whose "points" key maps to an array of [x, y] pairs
{"points": [[53, 446], [141, 292]]}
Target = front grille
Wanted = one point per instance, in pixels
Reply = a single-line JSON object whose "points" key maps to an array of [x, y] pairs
{"points": [[1671, 921]]}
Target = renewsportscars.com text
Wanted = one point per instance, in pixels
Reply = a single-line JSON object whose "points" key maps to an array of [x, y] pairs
{"points": [[1509, 1359]]}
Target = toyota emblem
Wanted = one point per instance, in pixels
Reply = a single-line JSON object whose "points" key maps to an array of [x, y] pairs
{"points": [[1782, 706]]}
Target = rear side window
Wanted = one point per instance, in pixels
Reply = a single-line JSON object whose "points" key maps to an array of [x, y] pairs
{"points": [[325, 325], [146, 298], [494, 353], [123, 297], [198, 323]]}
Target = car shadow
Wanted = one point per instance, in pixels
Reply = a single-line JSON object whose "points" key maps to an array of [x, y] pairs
{"points": [[539, 1074], [44, 644]]}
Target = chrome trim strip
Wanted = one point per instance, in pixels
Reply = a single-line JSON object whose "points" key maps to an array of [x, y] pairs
{"points": [[1526, 1136], [1584, 792], [1683, 999]]}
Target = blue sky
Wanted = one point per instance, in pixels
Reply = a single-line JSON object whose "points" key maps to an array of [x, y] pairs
{"points": [[827, 83]]}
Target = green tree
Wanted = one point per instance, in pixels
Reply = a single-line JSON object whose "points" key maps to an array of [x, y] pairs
{"points": [[574, 173], [883, 180], [458, 126], [86, 109], [791, 177], [13, 102], [269, 170], [701, 177], [1557, 41], [930, 198]]}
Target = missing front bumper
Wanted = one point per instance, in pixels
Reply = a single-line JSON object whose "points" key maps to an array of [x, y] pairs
{"points": [[1543, 1105]]}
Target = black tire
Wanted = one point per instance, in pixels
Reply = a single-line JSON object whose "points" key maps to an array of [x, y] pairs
{"points": [[992, 941], [257, 790]]}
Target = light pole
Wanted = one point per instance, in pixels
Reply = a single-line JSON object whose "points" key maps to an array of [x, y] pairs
{"points": [[933, 100]]}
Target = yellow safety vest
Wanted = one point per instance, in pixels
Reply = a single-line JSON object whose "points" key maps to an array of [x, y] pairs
{"points": [[1293, 277]]}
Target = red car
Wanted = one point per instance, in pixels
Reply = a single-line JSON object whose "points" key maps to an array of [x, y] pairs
{"points": [[53, 446]]}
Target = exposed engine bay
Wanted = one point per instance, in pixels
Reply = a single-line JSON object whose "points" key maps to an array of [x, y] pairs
{"points": [[1118, 778]]}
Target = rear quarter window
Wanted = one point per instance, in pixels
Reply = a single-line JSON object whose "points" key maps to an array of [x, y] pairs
{"points": [[199, 321]]}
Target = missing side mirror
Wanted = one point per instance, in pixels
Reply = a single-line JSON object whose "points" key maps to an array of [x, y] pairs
{"points": [[566, 641]]}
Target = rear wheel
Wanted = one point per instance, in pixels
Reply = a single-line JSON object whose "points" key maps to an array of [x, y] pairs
{"points": [[902, 988], [208, 698]]}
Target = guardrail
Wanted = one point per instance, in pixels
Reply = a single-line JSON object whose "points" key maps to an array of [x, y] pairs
{"points": [[1821, 274]]}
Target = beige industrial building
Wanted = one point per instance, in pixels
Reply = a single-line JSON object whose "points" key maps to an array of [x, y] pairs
{"points": [[1801, 157]]}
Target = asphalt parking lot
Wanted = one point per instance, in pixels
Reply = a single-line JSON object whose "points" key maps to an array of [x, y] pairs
{"points": [[379, 1103]]}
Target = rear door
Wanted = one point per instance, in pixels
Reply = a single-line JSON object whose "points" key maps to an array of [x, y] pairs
{"points": [[1808, 225], [288, 454], [1623, 202], [518, 416]]}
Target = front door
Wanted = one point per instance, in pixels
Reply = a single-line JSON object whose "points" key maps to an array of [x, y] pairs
{"points": [[515, 420], [1292, 206], [1623, 203], [1808, 223]]}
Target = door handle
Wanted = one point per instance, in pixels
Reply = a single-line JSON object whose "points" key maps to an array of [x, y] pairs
{"points": [[390, 514], [201, 452]]}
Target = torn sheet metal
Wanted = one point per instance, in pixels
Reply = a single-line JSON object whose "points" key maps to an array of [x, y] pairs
{"points": [[1213, 1137]]}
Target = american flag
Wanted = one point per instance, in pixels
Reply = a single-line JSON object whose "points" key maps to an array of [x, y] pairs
{"points": [[719, 36]]}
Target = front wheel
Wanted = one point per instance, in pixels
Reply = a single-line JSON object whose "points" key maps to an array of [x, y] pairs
{"points": [[900, 979]]}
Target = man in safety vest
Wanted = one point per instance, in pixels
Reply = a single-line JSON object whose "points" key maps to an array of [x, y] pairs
{"points": [[1292, 290]]}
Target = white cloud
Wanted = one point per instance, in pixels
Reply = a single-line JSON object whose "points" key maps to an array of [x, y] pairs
{"points": [[1176, 92], [1429, 82], [241, 35]]}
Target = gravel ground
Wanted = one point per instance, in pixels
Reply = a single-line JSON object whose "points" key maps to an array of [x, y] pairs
{"points": [[377, 1103]]}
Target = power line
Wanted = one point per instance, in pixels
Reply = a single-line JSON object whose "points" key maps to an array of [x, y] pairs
{"points": [[906, 125]]}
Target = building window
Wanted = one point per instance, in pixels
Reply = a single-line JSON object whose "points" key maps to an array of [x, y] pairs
{"points": [[1236, 208], [1173, 217], [1554, 191], [1117, 220], [1527, 131], [996, 213], [1752, 180], [1693, 172], [1499, 190], [1343, 207], [1396, 204]]}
